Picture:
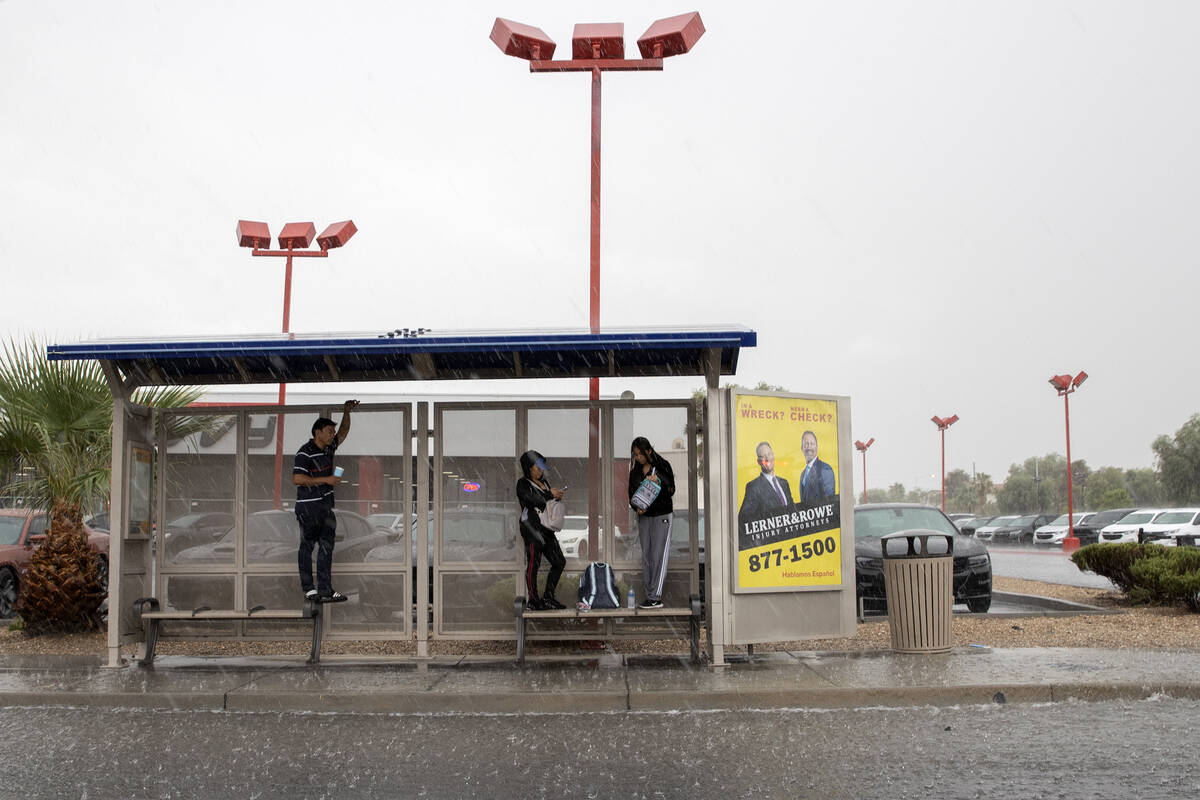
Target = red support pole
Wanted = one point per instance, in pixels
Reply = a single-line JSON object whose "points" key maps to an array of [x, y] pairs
{"points": [[287, 313], [1070, 543], [864, 452], [943, 470], [594, 322]]}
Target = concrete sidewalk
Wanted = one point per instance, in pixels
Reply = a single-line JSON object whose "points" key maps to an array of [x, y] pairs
{"points": [[605, 683]]}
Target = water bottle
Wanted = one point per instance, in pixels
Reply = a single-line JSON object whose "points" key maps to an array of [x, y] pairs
{"points": [[629, 601]]}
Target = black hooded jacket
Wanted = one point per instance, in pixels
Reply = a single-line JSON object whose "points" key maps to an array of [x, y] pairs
{"points": [[532, 499], [666, 478]]}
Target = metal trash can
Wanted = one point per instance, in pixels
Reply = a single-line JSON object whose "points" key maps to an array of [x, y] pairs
{"points": [[920, 590]]}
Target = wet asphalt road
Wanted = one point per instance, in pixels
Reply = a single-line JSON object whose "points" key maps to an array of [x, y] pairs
{"points": [[1050, 566], [1144, 749]]}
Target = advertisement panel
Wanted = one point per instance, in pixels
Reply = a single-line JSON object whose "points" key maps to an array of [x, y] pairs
{"points": [[789, 529]]}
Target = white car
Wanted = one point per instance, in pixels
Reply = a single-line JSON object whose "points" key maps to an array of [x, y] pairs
{"points": [[573, 538], [1170, 524], [1126, 528], [1055, 532], [986, 532]]}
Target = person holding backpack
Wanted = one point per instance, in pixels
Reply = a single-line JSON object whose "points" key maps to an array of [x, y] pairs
{"points": [[654, 515], [533, 494]]}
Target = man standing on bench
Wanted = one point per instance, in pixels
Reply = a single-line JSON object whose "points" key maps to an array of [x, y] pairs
{"points": [[314, 477]]}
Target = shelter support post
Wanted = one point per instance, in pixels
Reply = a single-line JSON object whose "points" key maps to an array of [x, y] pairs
{"points": [[421, 530], [716, 505]]}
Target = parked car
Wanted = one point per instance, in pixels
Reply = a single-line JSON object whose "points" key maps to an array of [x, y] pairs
{"points": [[1020, 529], [573, 538], [1126, 528], [1053, 533], [21, 531], [958, 519], [969, 526], [1184, 529], [972, 564], [1088, 531], [1165, 527], [272, 537], [984, 532], [195, 529]]}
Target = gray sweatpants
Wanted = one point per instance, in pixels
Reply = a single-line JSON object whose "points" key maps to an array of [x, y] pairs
{"points": [[655, 536]]}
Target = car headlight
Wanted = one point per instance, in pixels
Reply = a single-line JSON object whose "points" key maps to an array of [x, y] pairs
{"points": [[978, 561], [868, 563]]}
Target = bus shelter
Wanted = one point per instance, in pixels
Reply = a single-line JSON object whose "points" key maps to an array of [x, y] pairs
{"points": [[427, 546]]}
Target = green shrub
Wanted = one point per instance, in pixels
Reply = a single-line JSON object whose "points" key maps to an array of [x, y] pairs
{"points": [[1173, 577], [1113, 561]]}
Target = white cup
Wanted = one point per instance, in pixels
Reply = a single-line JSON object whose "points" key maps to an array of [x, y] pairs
{"points": [[338, 471]]}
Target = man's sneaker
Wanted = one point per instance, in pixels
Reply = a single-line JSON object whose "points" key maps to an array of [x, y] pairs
{"points": [[551, 602], [535, 604], [648, 603], [334, 597], [311, 596]]}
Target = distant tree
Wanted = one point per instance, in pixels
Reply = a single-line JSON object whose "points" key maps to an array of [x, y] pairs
{"points": [[1178, 460], [1104, 489], [1144, 487], [1113, 498]]}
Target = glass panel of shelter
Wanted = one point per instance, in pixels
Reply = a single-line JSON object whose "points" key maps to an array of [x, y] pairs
{"points": [[211, 557]]}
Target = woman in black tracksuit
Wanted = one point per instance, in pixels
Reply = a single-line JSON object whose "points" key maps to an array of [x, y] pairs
{"points": [[654, 523], [533, 490]]}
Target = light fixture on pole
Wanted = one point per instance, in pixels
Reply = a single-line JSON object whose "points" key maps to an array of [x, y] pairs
{"points": [[294, 240], [1065, 385], [862, 448], [597, 48], [942, 424]]}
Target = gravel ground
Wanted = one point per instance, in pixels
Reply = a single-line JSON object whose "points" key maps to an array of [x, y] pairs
{"points": [[1136, 628]]}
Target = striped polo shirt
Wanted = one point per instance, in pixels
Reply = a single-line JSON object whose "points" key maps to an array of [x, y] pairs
{"points": [[316, 463]]}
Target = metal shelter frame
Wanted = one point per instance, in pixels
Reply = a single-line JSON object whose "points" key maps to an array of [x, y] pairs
{"points": [[398, 355]]}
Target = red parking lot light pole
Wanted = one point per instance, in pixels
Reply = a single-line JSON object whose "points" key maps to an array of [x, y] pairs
{"points": [[1065, 385], [293, 241], [942, 424], [862, 448], [597, 48]]}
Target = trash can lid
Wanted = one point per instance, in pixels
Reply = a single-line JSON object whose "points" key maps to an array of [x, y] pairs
{"points": [[916, 544]]}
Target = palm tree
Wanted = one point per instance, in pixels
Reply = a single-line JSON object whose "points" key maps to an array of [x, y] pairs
{"points": [[56, 431]]}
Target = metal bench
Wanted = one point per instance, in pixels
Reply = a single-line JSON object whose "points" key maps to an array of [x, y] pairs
{"points": [[692, 613], [153, 617]]}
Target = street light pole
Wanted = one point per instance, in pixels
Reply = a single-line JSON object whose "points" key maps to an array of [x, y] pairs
{"points": [[1065, 385], [942, 424], [293, 239], [862, 448], [595, 48]]}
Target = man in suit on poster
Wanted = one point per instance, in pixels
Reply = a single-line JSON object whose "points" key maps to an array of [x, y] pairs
{"points": [[817, 481], [768, 491]]}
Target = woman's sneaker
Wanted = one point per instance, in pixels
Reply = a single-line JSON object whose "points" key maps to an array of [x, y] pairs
{"points": [[334, 597], [648, 603]]}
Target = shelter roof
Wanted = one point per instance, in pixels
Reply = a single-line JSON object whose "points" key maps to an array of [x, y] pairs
{"points": [[403, 355]]}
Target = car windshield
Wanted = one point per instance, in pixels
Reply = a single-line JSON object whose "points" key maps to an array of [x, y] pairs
{"points": [[1060, 520], [1174, 517], [872, 523], [575, 524], [186, 521], [1000, 522], [1136, 518], [383, 520], [1107, 517], [10, 529], [1023, 521]]}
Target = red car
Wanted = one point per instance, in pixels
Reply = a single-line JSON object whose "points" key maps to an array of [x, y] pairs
{"points": [[21, 531]]}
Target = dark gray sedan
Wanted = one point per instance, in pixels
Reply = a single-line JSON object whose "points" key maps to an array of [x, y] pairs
{"points": [[972, 565]]}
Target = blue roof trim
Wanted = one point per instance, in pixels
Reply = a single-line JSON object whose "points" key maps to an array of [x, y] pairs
{"points": [[102, 350], [400, 356]]}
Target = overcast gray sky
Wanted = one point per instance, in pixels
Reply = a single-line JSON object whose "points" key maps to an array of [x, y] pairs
{"points": [[931, 207]]}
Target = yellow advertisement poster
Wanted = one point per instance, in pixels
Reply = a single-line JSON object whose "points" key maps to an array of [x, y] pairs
{"points": [[789, 513]]}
